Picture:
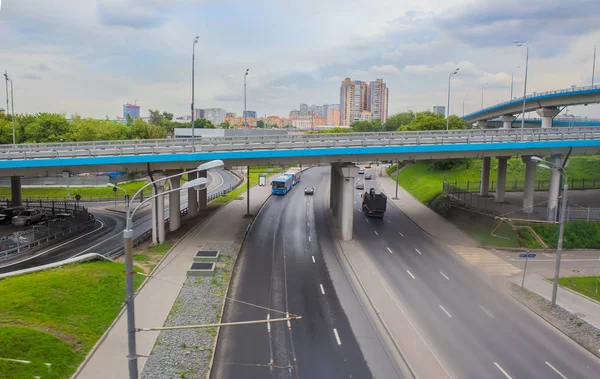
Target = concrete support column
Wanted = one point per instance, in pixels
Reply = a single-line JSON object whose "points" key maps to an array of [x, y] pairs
{"points": [[345, 186], [485, 176], [15, 191], [507, 121], [203, 194], [501, 179], [192, 196], [529, 188], [547, 114], [554, 190], [334, 189], [174, 205], [158, 215]]}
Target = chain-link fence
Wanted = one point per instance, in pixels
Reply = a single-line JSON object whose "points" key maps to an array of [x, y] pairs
{"points": [[519, 185]]}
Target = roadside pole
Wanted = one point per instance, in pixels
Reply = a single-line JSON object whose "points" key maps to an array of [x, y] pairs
{"points": [[526, 256], [397, 174]]}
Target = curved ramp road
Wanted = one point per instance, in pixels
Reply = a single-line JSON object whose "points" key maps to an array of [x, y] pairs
{"points": [[476, 330], [107, 233], [281, 270]]}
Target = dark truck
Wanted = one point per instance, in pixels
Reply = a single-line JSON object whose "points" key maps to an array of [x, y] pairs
{"points": [[374, 204]]}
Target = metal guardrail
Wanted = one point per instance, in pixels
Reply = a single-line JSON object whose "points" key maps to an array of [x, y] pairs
{"points": [[291, 142], [546, 93]]}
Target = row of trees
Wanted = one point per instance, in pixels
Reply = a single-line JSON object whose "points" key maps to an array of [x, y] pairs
{"points": [[410, 121]]}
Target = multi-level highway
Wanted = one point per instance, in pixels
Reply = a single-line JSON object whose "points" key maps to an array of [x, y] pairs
{"points": [[107, 233]]}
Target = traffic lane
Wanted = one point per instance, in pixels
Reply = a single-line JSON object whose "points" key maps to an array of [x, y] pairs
{"points": [[508, 330], [324, 341], [509, 317]]}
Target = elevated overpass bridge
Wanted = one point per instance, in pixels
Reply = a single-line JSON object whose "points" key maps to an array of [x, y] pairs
{"points": [[546, 104], [339, 150]]}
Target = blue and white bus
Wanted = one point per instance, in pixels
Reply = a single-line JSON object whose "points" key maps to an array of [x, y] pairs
{"points": [[282, 184], [296, 178]]}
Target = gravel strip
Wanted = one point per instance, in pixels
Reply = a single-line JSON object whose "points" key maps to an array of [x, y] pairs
{"points": [[187, 353], [583, 333]]}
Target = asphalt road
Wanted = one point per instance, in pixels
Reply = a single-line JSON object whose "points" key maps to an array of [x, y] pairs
{"points": [[475, 329], [281, 269], [107, 232]]}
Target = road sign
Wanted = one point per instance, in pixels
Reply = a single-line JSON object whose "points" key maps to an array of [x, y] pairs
{"points": [[114, 189], [527, 255], [77, 197]]}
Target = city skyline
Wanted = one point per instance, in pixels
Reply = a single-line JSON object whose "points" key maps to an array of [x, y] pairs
{"points": [[87, 58]]}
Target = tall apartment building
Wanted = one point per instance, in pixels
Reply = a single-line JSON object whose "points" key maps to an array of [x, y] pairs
{"points": [[230, 114], [249, 114], [214, 115], [303, 109], [378, 100], [333, 115], [353, 100], [131, 110], [356, 96]]}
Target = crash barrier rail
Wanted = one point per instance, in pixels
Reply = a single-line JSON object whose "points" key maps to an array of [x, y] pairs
{"points": [[290, 142], [488, 204], [37, 237], [52, 205], [519, 185], [98, 181]]}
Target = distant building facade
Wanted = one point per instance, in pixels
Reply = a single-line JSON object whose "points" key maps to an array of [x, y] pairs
{"points": [[333, 115], [230, 114], [439, 109], [131, 110], [353, 100], [214, 115], [249, 114], [378, 100]]}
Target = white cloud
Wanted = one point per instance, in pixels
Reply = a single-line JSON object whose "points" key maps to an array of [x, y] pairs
{"points": [[384, 69]]}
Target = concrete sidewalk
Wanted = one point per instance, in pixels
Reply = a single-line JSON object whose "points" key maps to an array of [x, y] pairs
{"points": [[425, 218], [154, 300], [581, 306]]}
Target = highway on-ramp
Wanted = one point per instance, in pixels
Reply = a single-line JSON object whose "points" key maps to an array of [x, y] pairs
{"points": [[106, 236], [475, 329]]}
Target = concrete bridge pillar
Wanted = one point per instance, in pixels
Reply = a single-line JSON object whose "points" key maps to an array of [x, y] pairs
{"points": [[15, 191], [202, 194], [174, 204], [346, 175], [485, 176], [192, 196], [334, 191], [507, 121], [501, 179], [529, 188], [554, 190], [547, 114], [158, 214]]}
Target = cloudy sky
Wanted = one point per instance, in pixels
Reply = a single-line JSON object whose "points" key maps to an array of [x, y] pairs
{"points": [[92, 56]]}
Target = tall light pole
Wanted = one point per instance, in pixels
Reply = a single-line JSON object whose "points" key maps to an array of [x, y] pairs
{"points": [[198, 184], [448, 108], [512, 82], [245, 75], [553, 166], [482, 87], [193, 82], [463, 111], [521, 44], [12, 103], [594, 64]]}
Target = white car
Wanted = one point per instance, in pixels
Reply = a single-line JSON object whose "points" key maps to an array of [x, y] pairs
{"points": [[28, 217]]}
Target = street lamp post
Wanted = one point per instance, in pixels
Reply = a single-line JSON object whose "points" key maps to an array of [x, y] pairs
{"points": [[521, 44], [198, 184], [448, 108], [193, 81], [463, 109], [245, 75], [12, 104], [594, 63], [482, 87], [563, 205], [512, 82]]}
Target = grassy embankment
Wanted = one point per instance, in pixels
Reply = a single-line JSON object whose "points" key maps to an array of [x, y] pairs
{"points": [[425, 184], [51, 319], [586, 285], [84, 192]]}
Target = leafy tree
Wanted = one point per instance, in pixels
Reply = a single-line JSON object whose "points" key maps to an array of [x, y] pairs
{"points": [[202, 123], [129, 120], [399, 119], [167, 116], [260, 124], [224, 125], [139, 129], [156, 118], [48, 127], [5, 131], [362, 126]]}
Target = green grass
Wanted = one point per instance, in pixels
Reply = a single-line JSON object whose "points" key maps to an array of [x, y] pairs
{"points": [[421, 181], [586, 285], [70, 306], [577, 235], [254, 174], [84, 192], [161, 249]]}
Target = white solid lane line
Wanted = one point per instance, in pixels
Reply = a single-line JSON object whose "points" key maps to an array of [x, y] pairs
{"points": [[308, 224], [388, 221], [355, 202], [417, 250], [376, 232], [367, 219], [308, 238], [337, 336], [322, 289], [486, 311], [390, 250], [401, 234], [410, 273], [444, 275], [555, 370], [502, 370], [313, 258], [445, 311]]}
